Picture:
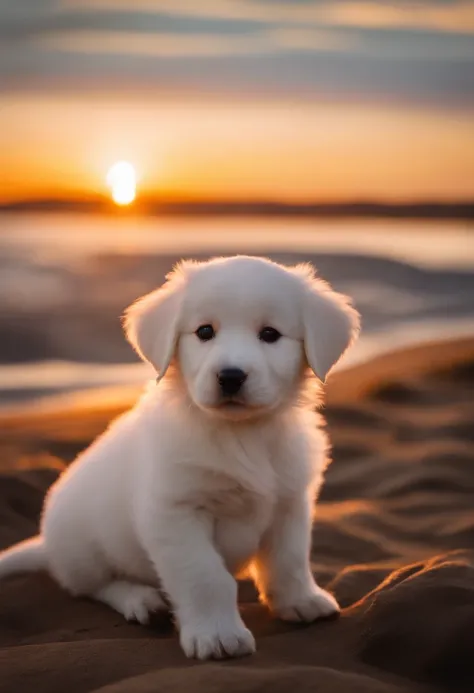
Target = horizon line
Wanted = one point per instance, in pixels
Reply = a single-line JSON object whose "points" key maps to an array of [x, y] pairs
{"points": [[153, 206]]}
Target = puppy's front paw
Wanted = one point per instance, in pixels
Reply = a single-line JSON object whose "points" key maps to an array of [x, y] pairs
{"points": [[217, 641], [308, 607]]}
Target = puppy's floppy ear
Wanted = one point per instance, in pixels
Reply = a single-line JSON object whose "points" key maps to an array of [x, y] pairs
{"points": [[151, 323], [330, 323]]}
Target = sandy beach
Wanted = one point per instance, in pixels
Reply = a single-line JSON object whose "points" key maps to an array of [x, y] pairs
{"points": [[393, 539], [137, 135]]}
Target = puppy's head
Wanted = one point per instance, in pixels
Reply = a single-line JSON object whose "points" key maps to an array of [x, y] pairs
{"points": [[241, 331]]}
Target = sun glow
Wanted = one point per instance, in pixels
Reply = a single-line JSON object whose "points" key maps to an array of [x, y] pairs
{"points": [[122, 180]]}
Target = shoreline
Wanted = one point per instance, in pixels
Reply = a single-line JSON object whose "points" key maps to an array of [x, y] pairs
{"points": [[350, 382]]}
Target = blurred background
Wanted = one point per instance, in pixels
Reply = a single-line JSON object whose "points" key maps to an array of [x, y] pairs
{"points": [[133, 134]]}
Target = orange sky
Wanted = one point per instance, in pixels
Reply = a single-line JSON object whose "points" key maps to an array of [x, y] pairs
{"points": [[242, 99], [64, 146]]}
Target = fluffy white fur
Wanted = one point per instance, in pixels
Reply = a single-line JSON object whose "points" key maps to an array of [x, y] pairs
{"points": [[187, 490]]}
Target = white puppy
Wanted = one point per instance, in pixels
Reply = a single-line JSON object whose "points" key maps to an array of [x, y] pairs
{"points": [[215, 470]]}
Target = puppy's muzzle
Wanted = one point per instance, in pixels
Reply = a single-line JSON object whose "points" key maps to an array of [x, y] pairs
{"points": [[231, 381]]}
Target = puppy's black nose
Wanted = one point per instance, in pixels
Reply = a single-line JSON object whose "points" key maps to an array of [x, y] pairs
{"points": [[231, 380]]}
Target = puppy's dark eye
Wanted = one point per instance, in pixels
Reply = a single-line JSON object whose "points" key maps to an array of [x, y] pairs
{"points": [[269, 335], [205, 333]]}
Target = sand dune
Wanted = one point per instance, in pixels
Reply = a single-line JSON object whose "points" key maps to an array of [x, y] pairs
{"points": [[394, 540]]}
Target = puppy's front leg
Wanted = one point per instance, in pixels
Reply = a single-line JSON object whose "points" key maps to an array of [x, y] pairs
{"points": [[282, 568], [201, 590]]}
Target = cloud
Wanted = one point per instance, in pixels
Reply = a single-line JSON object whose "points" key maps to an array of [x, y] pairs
{"points": [[21, 25], [284, 75], [200, 45], [440, 16], [237, 48], [399, 46], [451, 17]]}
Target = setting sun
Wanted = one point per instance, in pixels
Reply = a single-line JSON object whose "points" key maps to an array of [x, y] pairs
{"points": [[122, 180]]}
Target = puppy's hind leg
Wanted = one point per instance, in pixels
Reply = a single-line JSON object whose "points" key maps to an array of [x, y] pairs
{"points": [[86, 574], [135, 602]]}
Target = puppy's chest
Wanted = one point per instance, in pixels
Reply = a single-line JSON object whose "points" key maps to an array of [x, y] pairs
{"points": [[240, 518], [224, 497]]}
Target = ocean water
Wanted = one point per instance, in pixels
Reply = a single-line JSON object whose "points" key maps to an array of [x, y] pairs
{"points": [[65, 280]]}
